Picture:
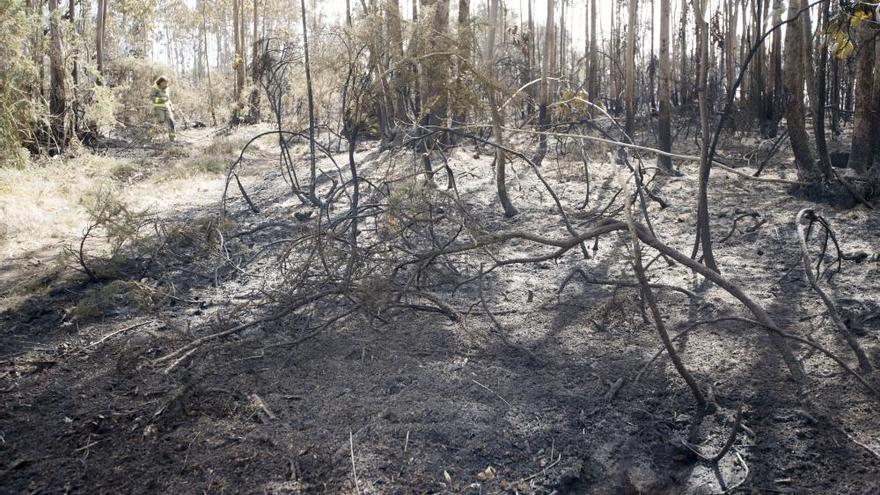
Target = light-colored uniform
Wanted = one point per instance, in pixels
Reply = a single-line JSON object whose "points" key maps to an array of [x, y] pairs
{"points": [[163, 111]]}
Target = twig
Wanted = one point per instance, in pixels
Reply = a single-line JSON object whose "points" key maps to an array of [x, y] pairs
{"points": [[260, 403], [357, 485], [542, 471], [494, 392], [745, 476], [117, 332], [860, 444]]}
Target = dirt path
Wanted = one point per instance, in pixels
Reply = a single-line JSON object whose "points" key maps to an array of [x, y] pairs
{"points": [[419, 404]]}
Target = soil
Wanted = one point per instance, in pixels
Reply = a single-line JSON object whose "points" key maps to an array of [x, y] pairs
{"points": [[421, 404]]}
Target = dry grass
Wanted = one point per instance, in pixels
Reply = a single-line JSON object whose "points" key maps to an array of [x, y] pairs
{"points": [[44, 205]]}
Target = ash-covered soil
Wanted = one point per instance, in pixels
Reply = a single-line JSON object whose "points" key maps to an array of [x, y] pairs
{"points": [[413, 402]]}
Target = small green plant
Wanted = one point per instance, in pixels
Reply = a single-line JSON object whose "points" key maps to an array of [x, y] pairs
{"points": [[102, 109], [113, 229]]}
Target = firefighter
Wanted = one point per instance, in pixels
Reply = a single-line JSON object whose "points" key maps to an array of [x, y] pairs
{"points": [[163, 110]]}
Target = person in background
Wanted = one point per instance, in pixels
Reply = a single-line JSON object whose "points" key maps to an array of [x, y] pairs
{"points": [[163, 110]]}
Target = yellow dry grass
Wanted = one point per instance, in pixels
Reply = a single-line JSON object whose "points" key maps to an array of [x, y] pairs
{"points": [[44, 205]]}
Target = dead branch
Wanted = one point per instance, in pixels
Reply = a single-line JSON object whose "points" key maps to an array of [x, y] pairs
{"points": [[648, 294], [810, 215]]}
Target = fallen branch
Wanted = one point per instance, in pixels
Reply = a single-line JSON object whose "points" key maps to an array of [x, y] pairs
{"points": [[809, 214], [117, 332]]}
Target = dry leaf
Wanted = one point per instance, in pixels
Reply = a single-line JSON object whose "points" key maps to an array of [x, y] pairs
{"points": [[487, 474]]}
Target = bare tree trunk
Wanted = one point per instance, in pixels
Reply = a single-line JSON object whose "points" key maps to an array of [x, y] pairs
{"points": [[434, 72], [793, 85], [704, 234], [530, 61], [631, 66], [208, 63], [819, 101], [594, 54], [497, 118], [665, 123], [860, 156], [311, 104], [100, 29], [875, 113], [463, 62], [774, 107], [57, 81], [561, 38], [835, 96], [238, 63], [684, 82], [254, 100], [730, 42], [546, 68], [395, 35]]}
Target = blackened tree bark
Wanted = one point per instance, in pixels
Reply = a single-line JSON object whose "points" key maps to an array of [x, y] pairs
{"points": [[860, 155], [793, 91]]}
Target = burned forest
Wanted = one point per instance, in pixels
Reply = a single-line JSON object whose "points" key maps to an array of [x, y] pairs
{"points": [[479, 247]]}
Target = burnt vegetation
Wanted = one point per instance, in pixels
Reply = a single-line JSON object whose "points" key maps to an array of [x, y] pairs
{"points": [[478, 253]]}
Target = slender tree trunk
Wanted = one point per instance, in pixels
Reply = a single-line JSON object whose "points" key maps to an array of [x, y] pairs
{"points": [[100, 29], [497, 118], [463, 62], [835, 96], [594, 54], [774, 106], [665, 123], [57, 81], [631, 66], [208, 63], [860, 155], [398, 80], [819, 101], [546, 68], [793, 86], [561, 39], [703, 229], [254, 100], [238, 63], [311, 104], [684, 82]]}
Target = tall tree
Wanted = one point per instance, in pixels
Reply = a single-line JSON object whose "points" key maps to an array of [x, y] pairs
{"points": [[546, 68], [463, 61], [594, 54], [773, 105], [684, 90], [703, 231], [820, 95], [238, 64], [665, 115], [57, 81], [398, 78], [497, 119], [860, 155], [311, 106], [254, 100], [100, 30], [793, 90], [631, 66]]}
